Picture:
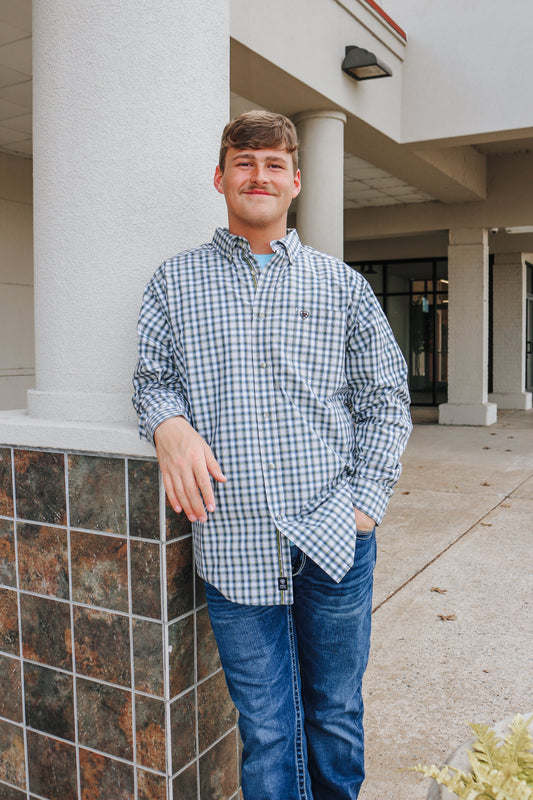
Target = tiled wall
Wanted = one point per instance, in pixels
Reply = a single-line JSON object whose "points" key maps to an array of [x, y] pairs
{"points": [[110, 683]]}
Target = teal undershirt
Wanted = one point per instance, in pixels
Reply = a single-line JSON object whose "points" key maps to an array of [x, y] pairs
{"points": [[263, 258]]}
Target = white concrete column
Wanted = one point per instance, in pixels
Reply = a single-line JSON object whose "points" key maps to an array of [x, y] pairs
{"points": [[509, 274], [129, 104], [319, 210], [468, 275]]}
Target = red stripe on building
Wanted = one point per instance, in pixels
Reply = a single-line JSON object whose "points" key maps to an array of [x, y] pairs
{"points": [[386, 17]]}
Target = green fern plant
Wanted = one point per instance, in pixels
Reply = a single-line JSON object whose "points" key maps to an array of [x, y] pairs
{"points": [[502, 769]]}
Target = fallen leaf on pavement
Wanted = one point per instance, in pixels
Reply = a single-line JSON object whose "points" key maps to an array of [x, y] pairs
{"points": [[446, 617], [436, 589]]}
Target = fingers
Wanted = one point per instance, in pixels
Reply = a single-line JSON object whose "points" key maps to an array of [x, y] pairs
{"points": [[187, 462]]}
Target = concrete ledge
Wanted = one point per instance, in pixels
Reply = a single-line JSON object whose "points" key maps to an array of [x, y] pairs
{"points": [[468, 414], [459, 758], [18, 429], [518, 400]]}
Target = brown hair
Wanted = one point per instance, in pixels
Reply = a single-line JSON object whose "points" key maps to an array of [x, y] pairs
{"points": [[257, 130]]}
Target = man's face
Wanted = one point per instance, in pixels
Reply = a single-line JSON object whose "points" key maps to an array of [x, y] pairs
{"points": [[258, 186]]}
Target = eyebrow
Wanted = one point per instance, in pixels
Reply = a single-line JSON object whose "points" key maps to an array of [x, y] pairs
{"points": [[250, 154]]}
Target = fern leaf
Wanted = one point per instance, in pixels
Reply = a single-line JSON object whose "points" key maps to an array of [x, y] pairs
{"points": [[502, 787], [518, 749], [487, 747]]}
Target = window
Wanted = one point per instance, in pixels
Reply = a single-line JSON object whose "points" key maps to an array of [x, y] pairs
{"points": [[414, 296]]}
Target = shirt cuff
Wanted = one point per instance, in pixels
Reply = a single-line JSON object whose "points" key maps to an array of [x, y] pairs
{"points": [[370, 497], [157, 417]]}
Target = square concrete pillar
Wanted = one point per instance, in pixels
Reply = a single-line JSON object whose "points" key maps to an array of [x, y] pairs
{"points": [[468, 274], [111, 684], [509, 332]]}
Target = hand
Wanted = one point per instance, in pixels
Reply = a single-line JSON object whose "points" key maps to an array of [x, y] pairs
{"points": [[186, 462], [363, 521]]}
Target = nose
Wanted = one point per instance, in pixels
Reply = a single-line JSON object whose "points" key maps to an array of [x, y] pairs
{"points": [[259, 175]]}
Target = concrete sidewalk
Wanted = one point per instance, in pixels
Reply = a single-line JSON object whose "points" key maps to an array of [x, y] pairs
{"points": [[461, 521]]}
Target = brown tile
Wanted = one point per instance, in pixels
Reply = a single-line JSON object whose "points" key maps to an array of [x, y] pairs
{"points": [[49, 701], [11, 692], [199, 591], [151, 733], [183, 730], [148, 656], [43, 560], [207, 658], [151, 787], [97, 493], [46, 631], [40, 486], [100, 570], [176, 525], [104, 718], [219, 770], [102, 646], [9, 793], [181, 658], [146, 579], [143, 496], [179, 577], [216, 712], [12, 769], [102, 777], [8, 571], [6, 483], [52, 768], [9, 625], [185, 785]]}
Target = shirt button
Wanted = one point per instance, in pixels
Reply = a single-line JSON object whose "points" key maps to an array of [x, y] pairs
{"points": [[260, 316], [263, 364], [266, 415], [278, 518], [272, 465]]}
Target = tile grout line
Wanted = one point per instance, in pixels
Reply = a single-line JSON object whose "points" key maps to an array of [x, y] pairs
{"points": [[449, 546], [72, 637], [19, 626], [165, 633], [130, 629]]}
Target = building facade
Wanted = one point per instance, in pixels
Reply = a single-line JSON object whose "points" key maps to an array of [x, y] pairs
{"points": [[110, 118]]}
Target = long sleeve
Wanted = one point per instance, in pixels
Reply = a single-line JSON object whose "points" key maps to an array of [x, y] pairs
{"points": [[379, 398], [159, 380]]}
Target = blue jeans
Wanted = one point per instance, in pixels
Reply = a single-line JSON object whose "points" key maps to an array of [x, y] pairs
{"points": [[295, 674]]}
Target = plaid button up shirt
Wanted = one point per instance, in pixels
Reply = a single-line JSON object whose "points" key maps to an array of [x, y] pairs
{"points": [[294, 379]]}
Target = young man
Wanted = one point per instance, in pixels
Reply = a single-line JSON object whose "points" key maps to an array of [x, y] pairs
{"points": [[275, 393]]}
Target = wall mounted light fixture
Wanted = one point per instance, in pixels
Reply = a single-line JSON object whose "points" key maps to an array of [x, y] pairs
{"points": [[363, 65]]}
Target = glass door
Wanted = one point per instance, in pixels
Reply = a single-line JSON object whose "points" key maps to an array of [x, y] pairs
{"points": [[529, 345]]}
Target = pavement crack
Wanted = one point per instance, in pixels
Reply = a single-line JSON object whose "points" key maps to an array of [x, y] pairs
{"points": [[479, 521]]}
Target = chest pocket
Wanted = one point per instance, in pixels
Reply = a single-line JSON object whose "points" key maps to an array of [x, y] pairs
{"points": [[308, 343]]}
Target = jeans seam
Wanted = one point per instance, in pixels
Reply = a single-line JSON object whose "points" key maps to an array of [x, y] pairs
{"points": [[300, 757], [301, 565]]}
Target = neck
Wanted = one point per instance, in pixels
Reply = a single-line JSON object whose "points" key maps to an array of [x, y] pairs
{"points": [[259, 239]]}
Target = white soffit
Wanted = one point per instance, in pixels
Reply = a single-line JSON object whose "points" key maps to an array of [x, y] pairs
{"points": [[366, 185], [15, 77]]}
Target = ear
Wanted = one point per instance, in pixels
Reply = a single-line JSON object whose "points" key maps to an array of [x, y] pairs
{"points": [[297, 184], [218, 180]]}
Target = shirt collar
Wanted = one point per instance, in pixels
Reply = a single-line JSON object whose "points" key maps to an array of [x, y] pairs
{"points": [[225, 242]]}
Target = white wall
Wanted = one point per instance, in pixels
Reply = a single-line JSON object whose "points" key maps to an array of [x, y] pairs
{"points": [[467, 68], [17, 359], [306, 40]]}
